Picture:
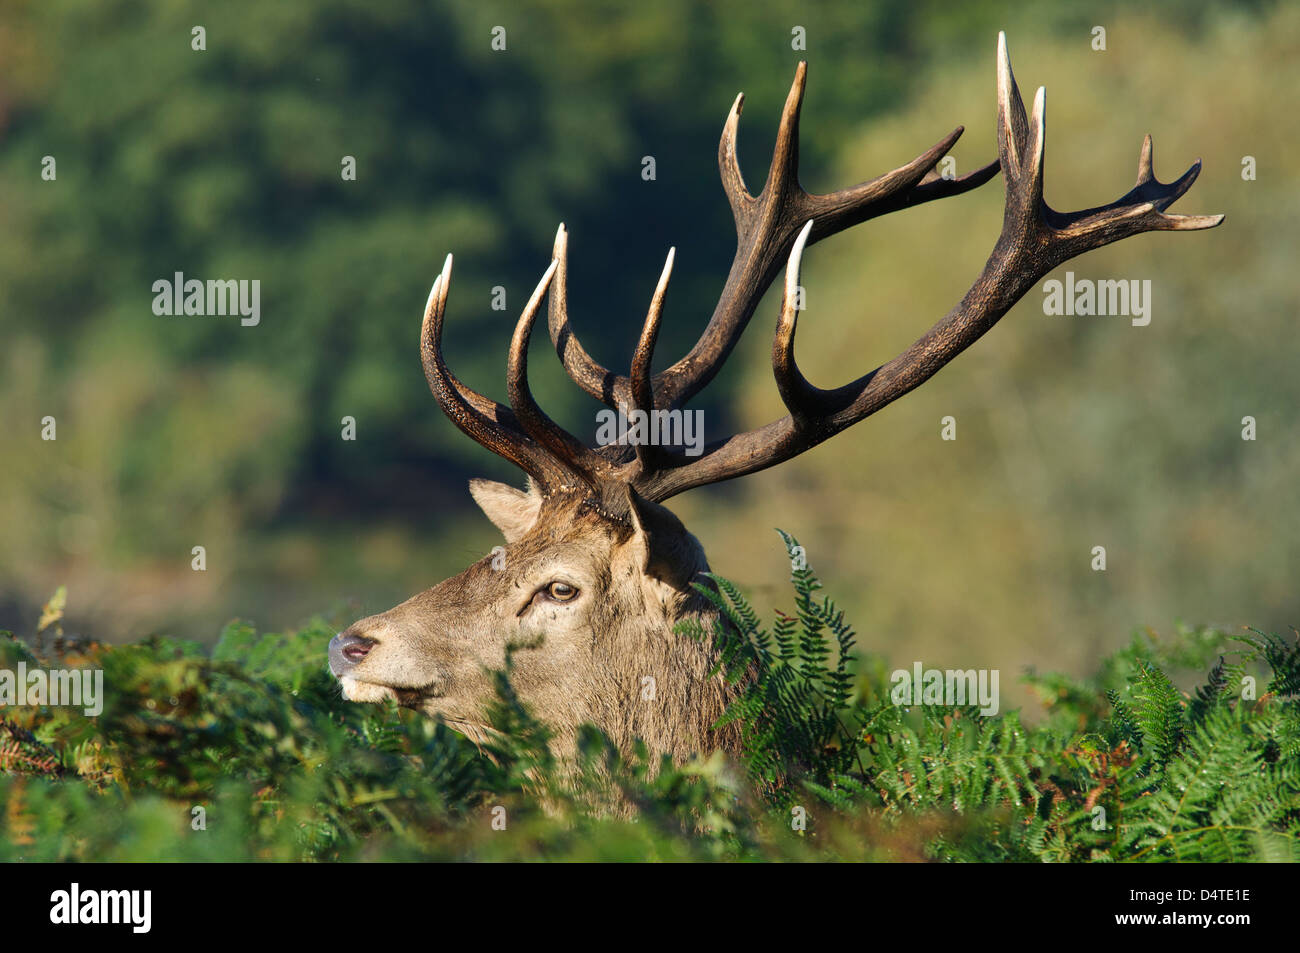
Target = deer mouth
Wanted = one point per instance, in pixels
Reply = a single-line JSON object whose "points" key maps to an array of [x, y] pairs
{"points": [[359, 690], [416, 699], [355, 690]]}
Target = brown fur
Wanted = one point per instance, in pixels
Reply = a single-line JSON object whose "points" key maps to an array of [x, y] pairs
{"points": [[584, 661]]}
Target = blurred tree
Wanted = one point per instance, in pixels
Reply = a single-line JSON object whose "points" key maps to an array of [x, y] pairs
{"points": [[226, 163]]}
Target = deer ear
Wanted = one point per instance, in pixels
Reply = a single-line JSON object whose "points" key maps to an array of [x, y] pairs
{"points": [[512, 511], [660, 543]]}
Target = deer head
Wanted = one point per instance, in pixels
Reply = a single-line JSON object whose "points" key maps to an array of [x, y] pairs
{"points": [[595, 572]]}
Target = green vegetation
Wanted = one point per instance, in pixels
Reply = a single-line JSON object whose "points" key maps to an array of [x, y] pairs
{"points": [[1073, 433], [1123, 767]]}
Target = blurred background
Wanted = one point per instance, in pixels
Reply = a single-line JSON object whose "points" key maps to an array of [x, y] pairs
{"points": [[1073, 432]]}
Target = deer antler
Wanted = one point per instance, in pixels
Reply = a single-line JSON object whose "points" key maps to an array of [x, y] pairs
{"points": [[482, 419], [1035, 239], [766, 225], [783, 219]]}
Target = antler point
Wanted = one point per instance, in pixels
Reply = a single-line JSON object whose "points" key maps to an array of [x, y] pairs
{"points": [[800, 80]]}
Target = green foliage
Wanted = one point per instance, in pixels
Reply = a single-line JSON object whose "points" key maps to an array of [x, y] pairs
{"points": [[258, 736], [1122, 767], [792, 706], [1128, 767]]}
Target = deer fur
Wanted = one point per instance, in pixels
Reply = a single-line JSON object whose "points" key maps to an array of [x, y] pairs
{"points": [[609, 657]]}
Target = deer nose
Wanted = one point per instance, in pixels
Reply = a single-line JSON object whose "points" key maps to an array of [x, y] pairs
{"points": [[347, 649]]}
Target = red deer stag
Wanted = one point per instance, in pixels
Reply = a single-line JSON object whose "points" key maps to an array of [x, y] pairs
{"points": [[595, 572]]}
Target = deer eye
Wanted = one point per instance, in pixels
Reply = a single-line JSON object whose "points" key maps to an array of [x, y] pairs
{"points": [[561, 592]]}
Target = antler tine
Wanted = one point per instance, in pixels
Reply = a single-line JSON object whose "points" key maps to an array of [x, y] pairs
{"points": [[800, 397], [894, 190], [1146, 172], [1012, 125], [783, 173], [1034, 240], [733, 180], [607, 387], [766, 226], [1141, 209], [482, 419], [643, 398], [575, 456]]}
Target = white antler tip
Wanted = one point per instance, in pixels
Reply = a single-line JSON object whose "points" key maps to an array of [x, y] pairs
{"points": [[796, 252], [667, 271], [796, 259], [550, 273]]}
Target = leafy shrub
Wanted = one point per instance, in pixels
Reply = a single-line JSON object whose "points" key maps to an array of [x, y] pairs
{"points": [[1124, 766]]}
